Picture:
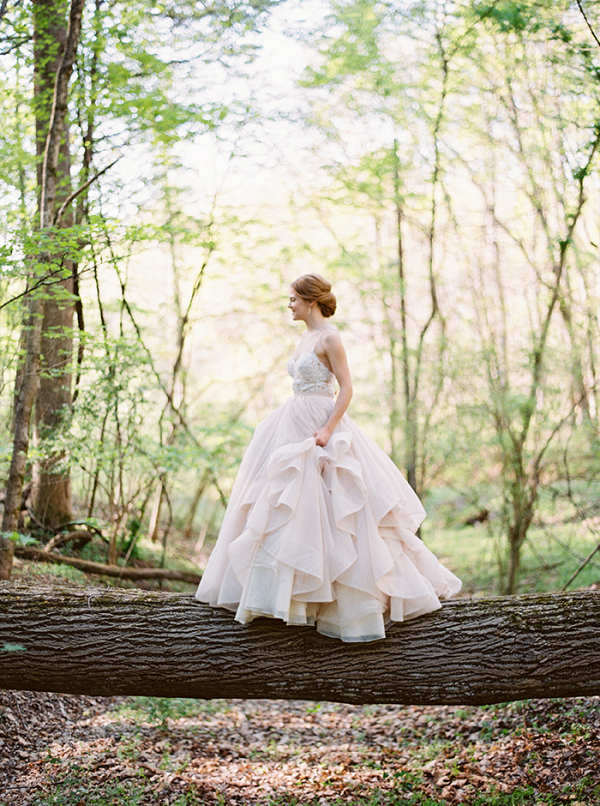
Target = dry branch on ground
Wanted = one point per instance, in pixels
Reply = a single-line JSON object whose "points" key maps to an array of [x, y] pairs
{"points": [[100, 569]]}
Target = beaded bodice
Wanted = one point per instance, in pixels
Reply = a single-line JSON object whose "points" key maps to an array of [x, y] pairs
{"points": [[309, 374]]}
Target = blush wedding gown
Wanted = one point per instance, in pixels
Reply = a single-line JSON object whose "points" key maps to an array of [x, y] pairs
{"points": [[322, 536]]}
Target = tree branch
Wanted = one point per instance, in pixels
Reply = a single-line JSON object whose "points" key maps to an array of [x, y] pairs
{"points": [[46, 280], [3, 9], [100, 569], [587, 22], [57, 117], [80, 190]]}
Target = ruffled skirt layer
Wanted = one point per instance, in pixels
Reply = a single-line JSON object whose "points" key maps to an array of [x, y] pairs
{"points": [[322, 536]]}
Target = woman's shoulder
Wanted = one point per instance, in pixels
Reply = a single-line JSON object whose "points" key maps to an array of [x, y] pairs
{"points": [[331, 336], [331, 340]]}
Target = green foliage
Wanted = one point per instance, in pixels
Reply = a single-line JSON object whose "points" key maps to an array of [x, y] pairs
{"points": [[555, 547], [70, 789], [13, 648], [58, 571], [510, 15], [354, 48], [19, 539], [159, 710]]}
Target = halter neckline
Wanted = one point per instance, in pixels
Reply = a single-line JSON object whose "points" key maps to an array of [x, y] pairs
{"points": [[312, 349]]}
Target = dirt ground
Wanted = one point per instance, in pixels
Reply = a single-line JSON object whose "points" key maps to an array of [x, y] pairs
{"points": [[59, 749]]}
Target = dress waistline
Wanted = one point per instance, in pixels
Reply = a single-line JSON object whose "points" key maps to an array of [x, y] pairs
{"points": [[328, 395]]}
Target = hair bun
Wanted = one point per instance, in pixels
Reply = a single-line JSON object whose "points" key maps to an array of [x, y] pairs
{"points": [[315, 288]]}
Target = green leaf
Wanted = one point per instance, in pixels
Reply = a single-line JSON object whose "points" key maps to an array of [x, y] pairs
{"points": [[19, 539]]}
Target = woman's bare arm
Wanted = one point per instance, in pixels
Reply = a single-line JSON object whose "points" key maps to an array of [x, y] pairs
{"points": [[332, 353]]}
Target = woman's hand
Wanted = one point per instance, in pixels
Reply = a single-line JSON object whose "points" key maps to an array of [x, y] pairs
{"points": [[334, 357], [322, 436]]}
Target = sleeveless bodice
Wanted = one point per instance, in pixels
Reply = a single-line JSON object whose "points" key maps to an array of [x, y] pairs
{"points": [[309, 374]]}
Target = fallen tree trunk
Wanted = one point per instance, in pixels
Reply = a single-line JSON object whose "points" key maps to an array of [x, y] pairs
{"points": [[107, 642], [99, 569]]}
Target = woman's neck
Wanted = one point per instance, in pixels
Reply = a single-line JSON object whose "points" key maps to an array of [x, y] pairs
{"points": [[317, 324]]}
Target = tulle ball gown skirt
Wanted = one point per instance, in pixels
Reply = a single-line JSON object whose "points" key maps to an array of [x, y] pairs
{"points": [[322, 536]]}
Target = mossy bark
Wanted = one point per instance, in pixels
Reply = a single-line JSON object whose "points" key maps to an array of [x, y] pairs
{"points": [[107, 642]]}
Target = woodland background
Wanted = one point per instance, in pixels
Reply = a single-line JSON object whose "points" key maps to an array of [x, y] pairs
{"points": [[167, 168]]}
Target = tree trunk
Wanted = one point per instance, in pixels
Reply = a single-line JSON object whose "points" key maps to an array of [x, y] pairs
{"points": [[516, 535], [104, 642], [49, 187], [22, 416], [7, 552], [520, 498], [154, 526], [410, 410], [189, 520], [52, 486]]}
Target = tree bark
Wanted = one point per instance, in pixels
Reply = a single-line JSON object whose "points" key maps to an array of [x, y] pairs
{"points": [[104, 642], [52, 488], [53, 54], [29, 380], [7, 552]]}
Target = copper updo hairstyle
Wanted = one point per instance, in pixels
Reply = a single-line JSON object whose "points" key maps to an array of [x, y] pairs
{"points": [[314, 288]]}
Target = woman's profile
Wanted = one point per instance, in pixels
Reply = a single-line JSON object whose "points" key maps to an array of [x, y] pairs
{"points": [[321, 525]]}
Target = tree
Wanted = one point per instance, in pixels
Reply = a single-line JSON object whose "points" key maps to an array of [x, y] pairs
{"points": [[379, 78], [475, 652], [49, 196], [494, 116], [52, 486], [529, 132], [124, 85]]}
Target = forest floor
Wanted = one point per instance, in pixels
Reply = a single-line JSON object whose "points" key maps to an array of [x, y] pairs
{"points": [[85, 751]]}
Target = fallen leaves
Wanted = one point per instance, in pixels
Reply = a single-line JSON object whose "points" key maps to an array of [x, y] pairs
{"points": [[243, 753]]}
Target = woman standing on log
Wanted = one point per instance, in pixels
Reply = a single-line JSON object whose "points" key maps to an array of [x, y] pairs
{"points": [[321, 525]]}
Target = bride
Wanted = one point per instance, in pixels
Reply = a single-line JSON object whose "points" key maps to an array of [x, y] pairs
{"points": [[321, 525]]}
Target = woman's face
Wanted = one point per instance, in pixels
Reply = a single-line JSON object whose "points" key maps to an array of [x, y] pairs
{"points": [[299, 307]]}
